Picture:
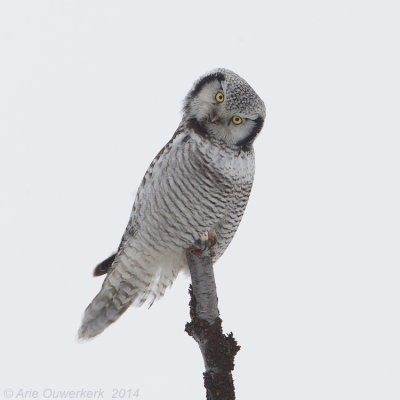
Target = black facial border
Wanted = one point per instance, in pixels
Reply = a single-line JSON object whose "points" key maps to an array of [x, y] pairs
{"points": [[215, 76], [247, 141]]}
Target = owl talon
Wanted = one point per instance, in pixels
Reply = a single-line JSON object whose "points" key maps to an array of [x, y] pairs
{"points": [[212, 240], [196, 251], [206, 242]]}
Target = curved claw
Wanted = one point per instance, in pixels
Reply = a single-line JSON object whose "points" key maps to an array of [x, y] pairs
{"points": [[206, 242]]}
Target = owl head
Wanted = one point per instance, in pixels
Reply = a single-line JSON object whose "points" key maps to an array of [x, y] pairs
{"points": [[224, 106]]}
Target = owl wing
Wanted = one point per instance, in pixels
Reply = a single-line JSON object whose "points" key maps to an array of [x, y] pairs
{"points": [[104, 267]]}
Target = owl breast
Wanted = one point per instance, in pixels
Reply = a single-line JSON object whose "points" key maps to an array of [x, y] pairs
{"points": [[193, 186]]}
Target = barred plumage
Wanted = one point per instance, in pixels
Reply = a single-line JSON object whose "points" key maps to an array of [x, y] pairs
{"points": [[200, 181]]}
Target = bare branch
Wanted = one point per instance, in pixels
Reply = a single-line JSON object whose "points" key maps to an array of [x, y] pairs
{"points": [[218, 350]]}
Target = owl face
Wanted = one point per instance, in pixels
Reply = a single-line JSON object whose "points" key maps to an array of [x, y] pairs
{"points": [[224, 106]]}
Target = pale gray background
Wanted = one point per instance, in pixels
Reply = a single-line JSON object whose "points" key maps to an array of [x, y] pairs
{"points": [[89, 93]]}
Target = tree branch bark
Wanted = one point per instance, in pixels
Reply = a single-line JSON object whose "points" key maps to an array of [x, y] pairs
{"points": [[218, 350]]}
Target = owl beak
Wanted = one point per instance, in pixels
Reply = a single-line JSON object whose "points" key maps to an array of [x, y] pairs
{"points": [[216, 117]]}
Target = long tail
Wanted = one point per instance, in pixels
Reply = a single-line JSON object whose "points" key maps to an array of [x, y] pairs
{"points": [[111, 302], [129, 281]]}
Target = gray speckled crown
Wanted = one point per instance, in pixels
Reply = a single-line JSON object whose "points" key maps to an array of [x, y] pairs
{"points": [[240, 96]]}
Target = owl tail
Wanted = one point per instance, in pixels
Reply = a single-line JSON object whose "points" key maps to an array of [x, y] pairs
{"points": [[110, 303], [123, 286]]}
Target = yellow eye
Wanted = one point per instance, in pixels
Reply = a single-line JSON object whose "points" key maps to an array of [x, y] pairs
{"points": [[236, 120], [219, 97]]}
